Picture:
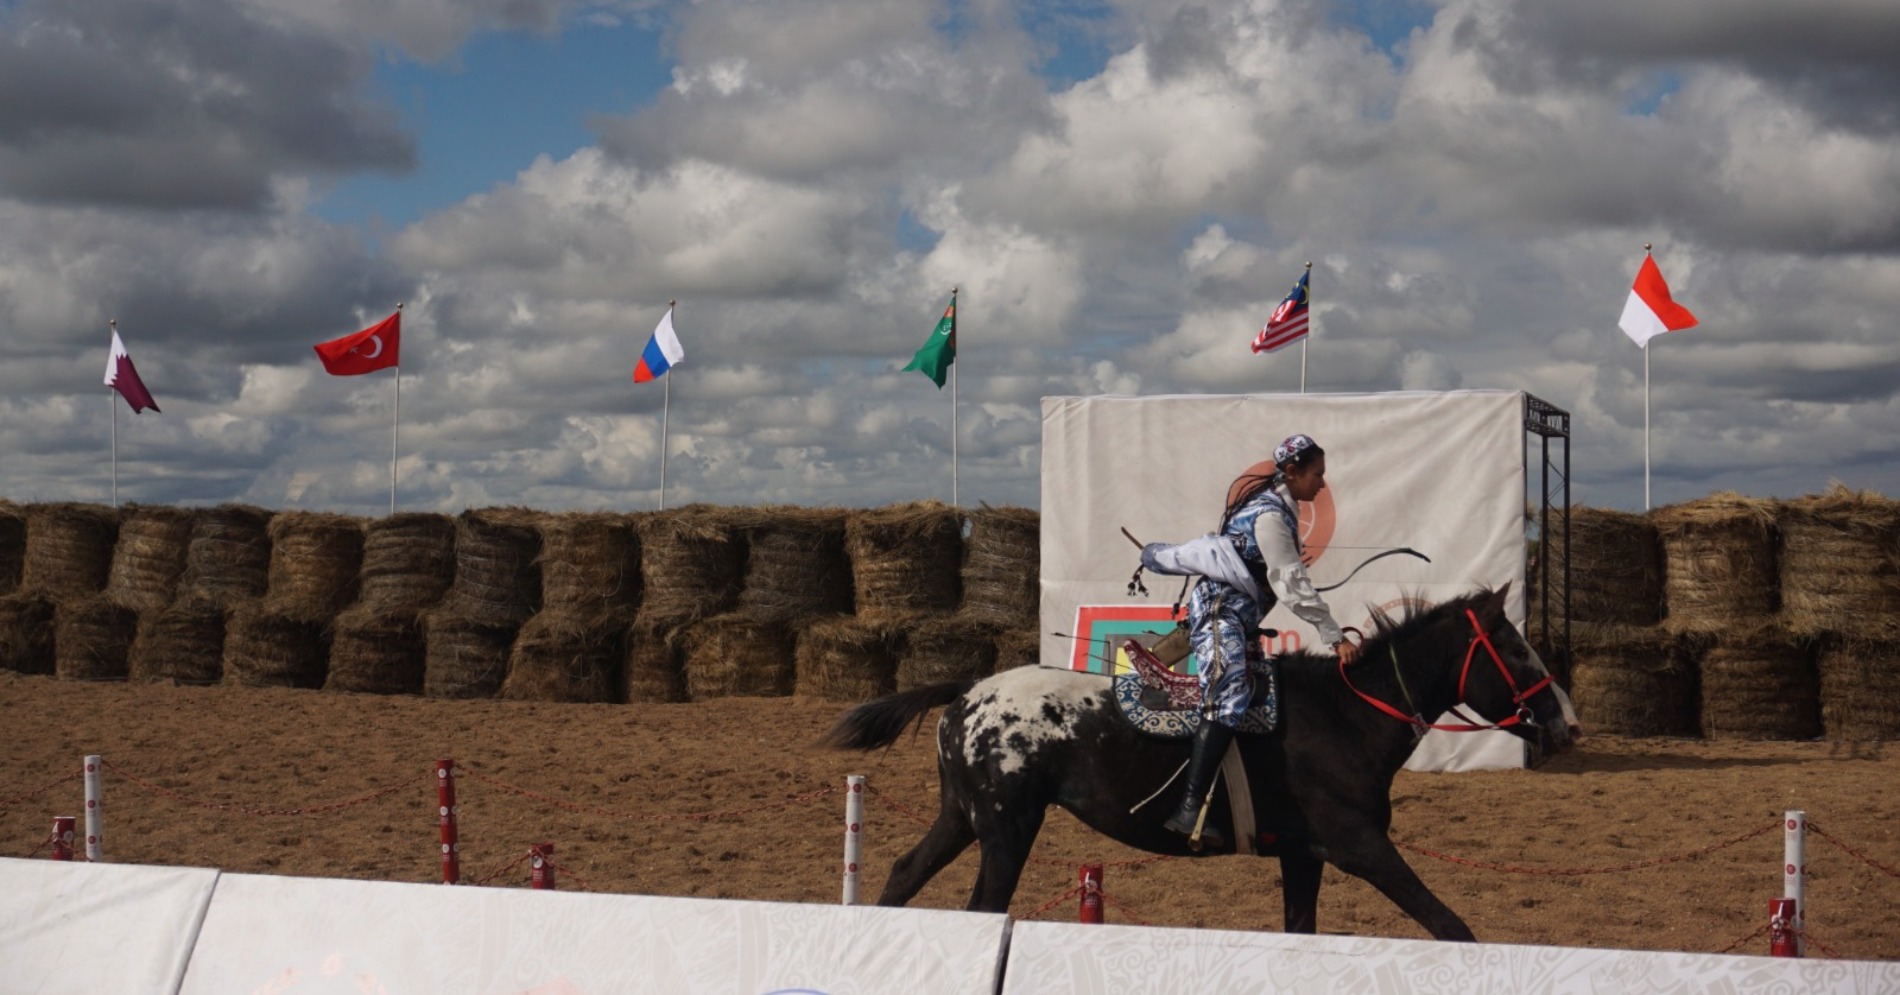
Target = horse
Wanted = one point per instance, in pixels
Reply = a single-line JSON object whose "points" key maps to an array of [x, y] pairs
{"points": [[1011, 745]]}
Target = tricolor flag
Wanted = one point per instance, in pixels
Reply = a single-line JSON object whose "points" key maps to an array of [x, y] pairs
{"points": [[124, 378], [374, 348], [1650, 311], [662, 351], [933, 359], [1287, 324]]}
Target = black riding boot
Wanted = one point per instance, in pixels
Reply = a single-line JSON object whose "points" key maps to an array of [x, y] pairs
{"points": [[1210, 745]]}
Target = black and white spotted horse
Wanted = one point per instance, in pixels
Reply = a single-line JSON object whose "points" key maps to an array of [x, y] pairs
{"points": [[1012, 745]]}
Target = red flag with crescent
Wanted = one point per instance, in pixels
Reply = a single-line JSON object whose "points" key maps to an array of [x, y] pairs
{"points": [[367, 351]]}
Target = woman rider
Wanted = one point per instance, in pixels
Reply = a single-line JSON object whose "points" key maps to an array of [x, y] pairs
{"points": [[1263, 523]]}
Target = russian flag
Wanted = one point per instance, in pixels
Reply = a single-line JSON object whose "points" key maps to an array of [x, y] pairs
{"points": [[662, 351], [1650, 311]]}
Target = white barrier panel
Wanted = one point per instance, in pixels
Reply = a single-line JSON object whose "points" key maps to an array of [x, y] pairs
{"points": [[88, 928], [293, 935], [1047, 958]]}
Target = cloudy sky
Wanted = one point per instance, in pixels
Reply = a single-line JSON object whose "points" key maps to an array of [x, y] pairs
{"points": [[1122, 190]]}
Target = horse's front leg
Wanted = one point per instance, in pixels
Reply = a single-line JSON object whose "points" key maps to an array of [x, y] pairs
{"points": [[1373, 857], [1299, 888]]}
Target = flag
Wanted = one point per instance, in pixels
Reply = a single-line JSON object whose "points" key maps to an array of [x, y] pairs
{"points": [[1287, 324], [662, 351], [940, 350], [374, 348], [124, 378], [1650, 311]]}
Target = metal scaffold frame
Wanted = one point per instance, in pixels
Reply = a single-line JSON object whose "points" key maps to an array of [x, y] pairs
{"points": [[1549, 597]]}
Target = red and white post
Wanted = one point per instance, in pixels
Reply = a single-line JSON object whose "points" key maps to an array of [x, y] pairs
{"points": [[1794, 872], [94, 850], [541, 860], [1090, 878], [853, 826], [63, 837], [445, 775]]}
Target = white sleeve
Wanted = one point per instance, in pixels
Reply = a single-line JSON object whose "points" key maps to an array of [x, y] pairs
{"points": [[1287, 576]]}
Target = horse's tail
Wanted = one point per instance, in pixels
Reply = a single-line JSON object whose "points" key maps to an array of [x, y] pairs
{"points": [[879, 723]]}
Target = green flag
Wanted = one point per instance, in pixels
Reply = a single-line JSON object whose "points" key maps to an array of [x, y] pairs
{"points": [[940, 350]]}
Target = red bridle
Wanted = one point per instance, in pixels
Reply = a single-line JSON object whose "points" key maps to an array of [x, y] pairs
{"points": [[1478, 638]]}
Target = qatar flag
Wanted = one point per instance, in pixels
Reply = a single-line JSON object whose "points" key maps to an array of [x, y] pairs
{"points": [[1650, 310], [124, 378], [374, 348]]}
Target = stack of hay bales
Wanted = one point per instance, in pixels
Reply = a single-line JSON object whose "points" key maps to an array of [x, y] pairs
{"points": [[1760, 683], [68, 549], [1018, 648], [692, 570], [377, 644], [283, 641], [590, 574], [736, 655], [497, 588], [1840, 586], [12, 545], [1634, 680], [796, 566], [793, 631], [182, 643], [149, 558], [563, 657], [905, 560], [92, 638], [1615, 564], [844, 659], [946, 649], [26, 620], [1002, 580], [227, 561], [1719, 570]]}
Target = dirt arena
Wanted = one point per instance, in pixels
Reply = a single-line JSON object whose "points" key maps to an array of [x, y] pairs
{"points": [[622, 791]]}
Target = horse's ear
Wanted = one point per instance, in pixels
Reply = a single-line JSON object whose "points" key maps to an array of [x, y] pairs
{"points": [[1494, 605]]}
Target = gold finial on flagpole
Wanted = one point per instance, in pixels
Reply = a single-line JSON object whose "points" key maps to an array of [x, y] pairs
{"points": [[114, 323], [1645, 248], [398, 305], [1309, 264], [672, 304], [953, 291]]}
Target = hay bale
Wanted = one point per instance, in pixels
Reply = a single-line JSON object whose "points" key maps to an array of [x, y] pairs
{"points": [[1615, 561], [12, 545], [1718, 563], [1002, 565], [905, 559], [267, 647], [466, 656], [957, 648], [1630, 680], [1761, 684], [736, 655], [408, 561], [228, 560], [91, 639], [26, 633], [1838, 570], [497, 564], [182, 643], [314, 561], [561, 657], [1018, 648], [149, 558], [68, 548], [845, 659], [376, 650], [590, 565], [795, 564], [691, 564], [1860, 689], [655, 665]]}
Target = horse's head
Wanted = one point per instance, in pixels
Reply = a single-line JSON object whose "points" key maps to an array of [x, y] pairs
{"points": [[1505, 681]]}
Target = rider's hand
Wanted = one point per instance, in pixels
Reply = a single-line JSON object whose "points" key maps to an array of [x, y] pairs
{"points": [[1348, 652]]}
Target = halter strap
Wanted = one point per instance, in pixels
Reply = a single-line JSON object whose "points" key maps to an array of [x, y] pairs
{"points": [[1417, 721]]}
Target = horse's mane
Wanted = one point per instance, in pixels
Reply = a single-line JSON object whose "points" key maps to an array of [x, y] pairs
{"points": [[1388, 629]]}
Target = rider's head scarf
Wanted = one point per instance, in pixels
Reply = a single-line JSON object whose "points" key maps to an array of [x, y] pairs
{"points": [[1292, 451]]}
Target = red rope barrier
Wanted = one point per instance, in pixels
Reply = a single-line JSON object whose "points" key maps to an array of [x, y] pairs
{"points": [[1127, 913], [1856, 854], [900, 807], [505, 868], [233, 807], [1580, 871], [1053, 902], [6, 803], [567, 874], [1758, 933], [643, 817]]}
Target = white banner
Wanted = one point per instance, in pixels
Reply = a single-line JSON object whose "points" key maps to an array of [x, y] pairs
{"points": [[79, 928], [1442, 473]]}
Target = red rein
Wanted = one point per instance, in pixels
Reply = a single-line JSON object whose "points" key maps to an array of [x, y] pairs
{"points": [[1479, 638]]}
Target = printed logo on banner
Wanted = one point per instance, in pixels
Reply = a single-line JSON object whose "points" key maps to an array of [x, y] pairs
{"points": [[1100, 631]]}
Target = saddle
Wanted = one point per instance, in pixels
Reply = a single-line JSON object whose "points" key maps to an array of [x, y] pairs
{"points": [[1160, 702]]}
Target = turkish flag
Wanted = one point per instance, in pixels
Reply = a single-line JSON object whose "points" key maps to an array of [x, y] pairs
{"points": [[367, 351]]}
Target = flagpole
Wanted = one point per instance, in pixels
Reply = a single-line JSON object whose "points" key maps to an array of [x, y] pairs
{"points": [[1646, 504], [112, 412], [666, 403], [954, 503], [394, 426], [1311, 321]]}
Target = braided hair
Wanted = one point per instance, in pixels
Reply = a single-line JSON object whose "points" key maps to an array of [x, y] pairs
{"points": [[1251, 484]]}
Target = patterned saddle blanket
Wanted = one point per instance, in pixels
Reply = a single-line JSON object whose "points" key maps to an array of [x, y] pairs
{"points": [[1162, 703]]}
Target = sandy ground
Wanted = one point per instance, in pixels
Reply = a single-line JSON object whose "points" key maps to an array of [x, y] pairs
{"points": [[623, 792]]}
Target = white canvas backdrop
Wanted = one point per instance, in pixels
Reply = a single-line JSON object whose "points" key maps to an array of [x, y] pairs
{"points": [[1442, 473], [79, 928], [316, 935]]}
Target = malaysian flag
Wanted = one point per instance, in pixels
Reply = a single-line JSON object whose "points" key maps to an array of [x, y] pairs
{"points": [[1287, 324]]}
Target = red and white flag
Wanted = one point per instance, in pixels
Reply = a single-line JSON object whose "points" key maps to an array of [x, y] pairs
{"points": [[1287, 324], [124, 378], [374, 348], [1650, 311]]}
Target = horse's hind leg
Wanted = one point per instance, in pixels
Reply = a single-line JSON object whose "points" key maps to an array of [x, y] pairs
{"points": [[1299, 889], [1006, 846], [948, 837]]}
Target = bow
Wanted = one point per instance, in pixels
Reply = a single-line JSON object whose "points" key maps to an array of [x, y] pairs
{"points": [[1400, 551]]}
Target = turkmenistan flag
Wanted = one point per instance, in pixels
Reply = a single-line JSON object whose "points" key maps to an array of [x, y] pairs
{"points": [[940, 350]]}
